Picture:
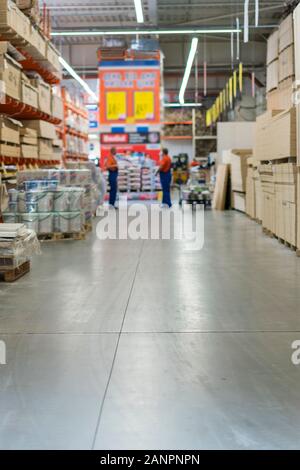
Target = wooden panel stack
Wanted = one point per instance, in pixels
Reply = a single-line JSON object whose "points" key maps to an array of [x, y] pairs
{"points": [[238, 170], [281, 66], [250, 190], [297, 103], [268, 197], [285, 178]]}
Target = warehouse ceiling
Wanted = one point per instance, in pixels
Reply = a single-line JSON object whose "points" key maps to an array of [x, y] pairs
{"points": [[93, 14], [89, 15]]}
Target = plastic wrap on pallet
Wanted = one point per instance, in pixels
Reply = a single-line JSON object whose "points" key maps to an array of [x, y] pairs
{"points": [[15, 252]]}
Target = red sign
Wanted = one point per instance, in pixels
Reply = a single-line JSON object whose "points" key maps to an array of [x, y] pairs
{"points": [[129, 94], [114, 138]]}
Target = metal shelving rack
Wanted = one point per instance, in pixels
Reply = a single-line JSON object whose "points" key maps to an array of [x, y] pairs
{"points": [[67, 130]]}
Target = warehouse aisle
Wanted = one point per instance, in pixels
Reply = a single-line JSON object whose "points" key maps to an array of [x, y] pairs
{"points": [[123, 344]]}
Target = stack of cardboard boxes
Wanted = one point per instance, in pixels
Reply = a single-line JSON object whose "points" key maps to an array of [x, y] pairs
{"points": [[20, 35]]}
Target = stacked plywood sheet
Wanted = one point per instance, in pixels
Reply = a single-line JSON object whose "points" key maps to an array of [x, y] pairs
{"points": [[268, 197], [280, 66], [276, 135], [250, 189], [285, 179]]}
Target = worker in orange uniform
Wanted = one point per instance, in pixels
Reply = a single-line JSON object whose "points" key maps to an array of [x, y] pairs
{"points": [[165, 166], [111, 166]]}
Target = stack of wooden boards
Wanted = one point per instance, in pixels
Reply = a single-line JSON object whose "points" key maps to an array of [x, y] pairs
{"points": [[273, 178], [281, 66]]}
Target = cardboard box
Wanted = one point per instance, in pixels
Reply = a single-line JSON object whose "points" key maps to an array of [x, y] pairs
{"points": [[29, 94], [57, 108], [13, 20], [8, 150], [10, 76], [52, 56], [38, 44], [286, 67], [29, 151], [44, 129], [45, 149], [44, 95], [272, 76], [285, 33], [272, 47], [9, 130], [282, 97]]}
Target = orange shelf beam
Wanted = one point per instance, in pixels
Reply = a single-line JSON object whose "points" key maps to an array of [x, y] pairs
{"points": [[26, 161], [76, 110], [30, 64], [76, 133], [19, 110]]}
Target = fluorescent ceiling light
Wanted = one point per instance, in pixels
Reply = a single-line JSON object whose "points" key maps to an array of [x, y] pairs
{"points": [[72, 72], [139, 11], [123, 32], [188, 69], [179, 105]]}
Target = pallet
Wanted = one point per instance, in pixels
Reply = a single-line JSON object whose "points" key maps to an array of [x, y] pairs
{"points": [[268, 232], [54, 237], [13, 274], [88, 227], [287, 244]]}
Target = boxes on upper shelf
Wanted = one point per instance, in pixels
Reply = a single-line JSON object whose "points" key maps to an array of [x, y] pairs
{"points": [[45, 149], [29, 94], [44, 129], [13, 20], [44, 95], [10, 77], [29, 151]]}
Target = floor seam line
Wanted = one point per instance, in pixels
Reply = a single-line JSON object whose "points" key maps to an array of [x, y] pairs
{"points": [[116, 349]]}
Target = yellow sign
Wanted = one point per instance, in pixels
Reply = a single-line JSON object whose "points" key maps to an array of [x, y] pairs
{"points": [[116, 105], [230, 90], [241, 77], [234, 84], [143, 105]]}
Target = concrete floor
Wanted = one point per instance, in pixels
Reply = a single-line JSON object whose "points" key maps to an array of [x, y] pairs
{"points": [[128, 345]]}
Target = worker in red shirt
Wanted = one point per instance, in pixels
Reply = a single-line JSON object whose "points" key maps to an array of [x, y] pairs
{"points": [[165, 166], [111, 165]]}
